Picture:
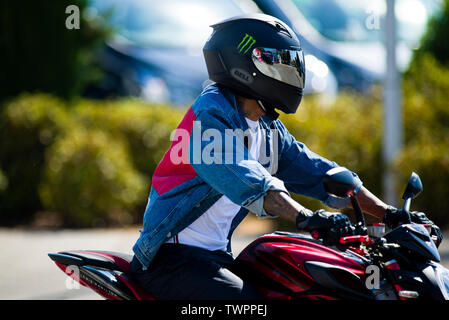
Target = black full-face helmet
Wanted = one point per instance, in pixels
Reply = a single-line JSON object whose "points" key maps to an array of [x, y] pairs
{"points": [[259, 57]]}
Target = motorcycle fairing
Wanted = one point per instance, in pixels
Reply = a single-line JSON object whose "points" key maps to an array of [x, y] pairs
{"points": [[415, 238]]}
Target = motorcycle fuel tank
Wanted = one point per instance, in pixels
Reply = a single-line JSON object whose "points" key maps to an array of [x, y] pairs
{"points": [[288, 265]]}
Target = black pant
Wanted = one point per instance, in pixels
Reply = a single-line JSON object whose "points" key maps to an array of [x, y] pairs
{"points": [[182, 272]]}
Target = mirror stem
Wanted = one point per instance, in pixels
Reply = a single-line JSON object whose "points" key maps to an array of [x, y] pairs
{"points": [[406, 208]]}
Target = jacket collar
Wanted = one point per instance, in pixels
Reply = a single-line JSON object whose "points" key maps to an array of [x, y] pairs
{"points": [[230, 97]]}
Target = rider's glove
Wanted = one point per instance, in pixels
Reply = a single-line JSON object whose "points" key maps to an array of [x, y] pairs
{"points": [[330, 225], [421, 218], [395, 217]]}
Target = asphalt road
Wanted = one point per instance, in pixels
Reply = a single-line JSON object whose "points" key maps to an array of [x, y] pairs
{"points": [[26, 272]]}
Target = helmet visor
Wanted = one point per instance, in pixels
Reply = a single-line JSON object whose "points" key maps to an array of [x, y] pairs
{"points": [[281, 64]]}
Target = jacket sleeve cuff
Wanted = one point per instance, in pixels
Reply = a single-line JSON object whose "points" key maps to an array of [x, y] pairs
{"points": [[256, 206]]}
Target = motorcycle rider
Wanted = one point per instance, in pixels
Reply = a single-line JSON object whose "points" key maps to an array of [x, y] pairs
{"points": [[198, 198]]}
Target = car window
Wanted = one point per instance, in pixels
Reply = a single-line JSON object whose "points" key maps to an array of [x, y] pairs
{"points": [[168, 23]]}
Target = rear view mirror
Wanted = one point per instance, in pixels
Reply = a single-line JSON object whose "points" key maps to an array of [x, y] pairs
{"points": [[414, 187], [339, 182]]}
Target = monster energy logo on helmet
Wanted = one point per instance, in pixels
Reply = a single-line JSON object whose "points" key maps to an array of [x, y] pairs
{"points": [[246, 43]]}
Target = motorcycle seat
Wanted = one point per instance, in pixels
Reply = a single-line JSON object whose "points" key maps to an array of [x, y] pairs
{"points": [[95, 258]]}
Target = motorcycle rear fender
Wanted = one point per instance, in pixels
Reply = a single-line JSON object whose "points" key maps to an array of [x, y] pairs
{"points": [[103, 272]]}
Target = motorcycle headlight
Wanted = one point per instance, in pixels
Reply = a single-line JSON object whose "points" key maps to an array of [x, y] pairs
{"points": [[442, 275]]}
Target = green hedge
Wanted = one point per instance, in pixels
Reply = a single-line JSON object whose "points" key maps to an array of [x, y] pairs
{"points": [[145, 129], [90, 180], [28, 125], [91, 162]]}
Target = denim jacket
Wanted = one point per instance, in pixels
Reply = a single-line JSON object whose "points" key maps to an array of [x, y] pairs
{"points": [[201, 166]]}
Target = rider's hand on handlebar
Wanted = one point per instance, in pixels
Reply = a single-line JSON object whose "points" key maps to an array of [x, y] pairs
{"points": [[395, 217], [330, 225]]}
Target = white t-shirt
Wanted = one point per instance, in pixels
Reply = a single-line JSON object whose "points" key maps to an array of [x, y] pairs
{"points": [[211, 229]]}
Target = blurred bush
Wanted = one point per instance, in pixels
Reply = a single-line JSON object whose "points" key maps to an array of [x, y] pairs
{"points": [[91, 162], [145, 129], [28, 125], [90, 180], [39, 54]]}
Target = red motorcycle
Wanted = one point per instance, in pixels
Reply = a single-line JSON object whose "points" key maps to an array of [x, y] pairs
{"points": [[371, 265]]}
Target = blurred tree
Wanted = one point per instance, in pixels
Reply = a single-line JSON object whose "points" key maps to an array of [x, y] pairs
{"points": [[434, 40], [39, 53]]}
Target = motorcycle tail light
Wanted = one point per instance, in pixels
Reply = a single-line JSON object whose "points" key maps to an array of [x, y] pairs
{"points": [[376, 230]]}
